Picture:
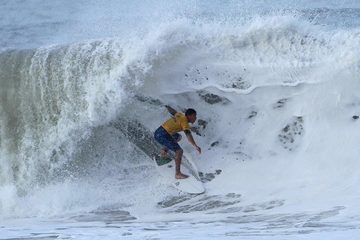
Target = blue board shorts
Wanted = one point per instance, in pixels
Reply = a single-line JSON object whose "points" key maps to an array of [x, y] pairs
{"points": [[167, 140]]}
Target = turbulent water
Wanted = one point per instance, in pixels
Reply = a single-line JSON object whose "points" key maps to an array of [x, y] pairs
{"points": [[276, 87]]}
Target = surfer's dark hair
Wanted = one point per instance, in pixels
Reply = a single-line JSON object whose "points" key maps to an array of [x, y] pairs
{"points": [[190, 111]]}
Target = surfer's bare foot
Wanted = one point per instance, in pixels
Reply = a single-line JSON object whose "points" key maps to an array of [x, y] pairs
{"points": [[181, 176]]}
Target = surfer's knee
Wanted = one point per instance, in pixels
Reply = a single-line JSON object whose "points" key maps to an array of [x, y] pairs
{"points": [[179, 138], [179, 151]]}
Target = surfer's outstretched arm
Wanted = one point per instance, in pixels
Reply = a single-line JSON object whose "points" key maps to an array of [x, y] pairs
{"points": [[191, 140], [170, 109]]}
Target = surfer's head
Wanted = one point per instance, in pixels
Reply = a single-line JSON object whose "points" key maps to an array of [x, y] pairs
{"points": [[191, 115]]}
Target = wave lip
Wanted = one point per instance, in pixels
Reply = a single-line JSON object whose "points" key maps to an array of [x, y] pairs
{"points": [[49, 93]]}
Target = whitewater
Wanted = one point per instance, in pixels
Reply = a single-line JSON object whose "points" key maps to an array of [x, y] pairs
{"points": [[83, 87]]}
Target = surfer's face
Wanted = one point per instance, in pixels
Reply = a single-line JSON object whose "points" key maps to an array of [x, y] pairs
{"points": [[192, 118]]}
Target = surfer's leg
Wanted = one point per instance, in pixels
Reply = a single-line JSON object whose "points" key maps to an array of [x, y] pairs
{"points": [[178, 157], [170, 142], [162, 137]]}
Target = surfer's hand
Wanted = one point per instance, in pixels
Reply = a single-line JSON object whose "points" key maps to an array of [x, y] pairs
{"points": [[198, 149]]}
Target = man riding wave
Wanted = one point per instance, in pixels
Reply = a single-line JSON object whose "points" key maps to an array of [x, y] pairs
{"points": [[168, 135]]}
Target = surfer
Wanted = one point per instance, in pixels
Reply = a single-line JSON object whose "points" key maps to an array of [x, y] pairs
{"points": [[168, 135]]}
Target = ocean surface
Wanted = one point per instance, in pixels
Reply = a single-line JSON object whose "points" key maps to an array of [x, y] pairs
{"points": [[276, 87]]}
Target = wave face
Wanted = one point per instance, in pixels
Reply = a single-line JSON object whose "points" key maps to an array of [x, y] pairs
{"points": [[277, 101], [51, 98]]}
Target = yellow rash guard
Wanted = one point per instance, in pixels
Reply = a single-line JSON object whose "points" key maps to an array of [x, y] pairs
{"points": [[177, 123]]}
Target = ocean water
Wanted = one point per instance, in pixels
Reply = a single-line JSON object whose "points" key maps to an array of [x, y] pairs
{"points": [[276, 87]]}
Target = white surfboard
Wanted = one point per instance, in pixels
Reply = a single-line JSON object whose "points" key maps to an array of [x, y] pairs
{"points": [[192, 184]]}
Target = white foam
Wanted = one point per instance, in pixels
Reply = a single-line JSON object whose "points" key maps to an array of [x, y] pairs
{"points": [[276, 72]]}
